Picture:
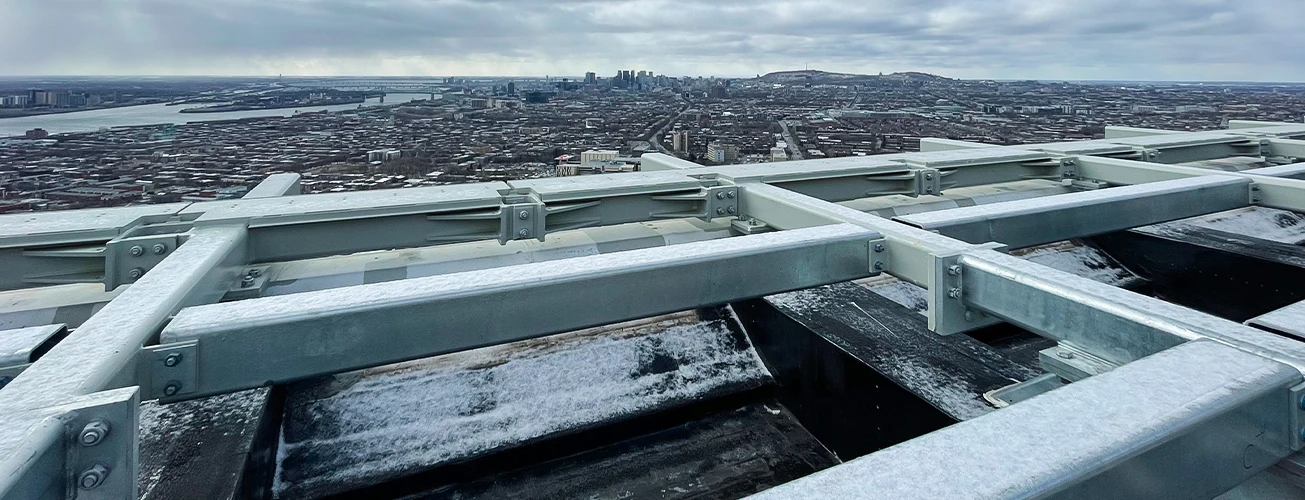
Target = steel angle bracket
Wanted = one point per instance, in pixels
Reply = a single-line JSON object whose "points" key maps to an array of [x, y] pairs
{"points": [[173, 370], [948, 312], [713, 202], [523, 218], [1296, 405], [928, 182], [128, 259], [100, 442]]}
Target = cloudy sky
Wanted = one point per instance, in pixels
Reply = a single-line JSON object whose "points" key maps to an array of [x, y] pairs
{"points": [[1258, 40]]}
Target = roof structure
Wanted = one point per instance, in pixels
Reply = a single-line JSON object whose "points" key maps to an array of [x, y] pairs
{"points": [[1198, 402]]}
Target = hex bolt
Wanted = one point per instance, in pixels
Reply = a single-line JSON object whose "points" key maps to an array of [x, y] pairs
{"points": [[720, 195], [731, 210], [954, 270], [254, 272], [160, 249], [720, 211], [928, 176], [246, 282], [1069, 161], [1064, 355], [137, 250], [524, 233], [172, 388], [879, 247], [94, 433], [954, 293], [172, 360], [136, 273], [730, 194], [752, 222], [524, 215], [93, 477], [879, 266]]}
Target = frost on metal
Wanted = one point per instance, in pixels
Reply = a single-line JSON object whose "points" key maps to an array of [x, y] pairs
{"points": [[1080, 260], [372, 426], [1259, 222]]}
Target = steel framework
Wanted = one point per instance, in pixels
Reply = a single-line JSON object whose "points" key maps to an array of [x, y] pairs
{"points": [[1199, 403]]}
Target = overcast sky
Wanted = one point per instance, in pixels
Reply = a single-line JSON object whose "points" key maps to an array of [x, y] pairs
{"points": [[1047, 39]]}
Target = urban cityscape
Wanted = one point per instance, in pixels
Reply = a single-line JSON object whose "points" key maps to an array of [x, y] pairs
{"points": [[346, 134]]}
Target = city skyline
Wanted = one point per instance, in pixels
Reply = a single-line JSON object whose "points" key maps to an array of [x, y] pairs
{"points": [[1190, 40]]}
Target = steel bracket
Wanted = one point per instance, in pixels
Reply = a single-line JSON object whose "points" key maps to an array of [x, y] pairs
{"points": [[174, 370], [101, 439], [523, 218], [928, 182], [749, 225], [1151, 155], [1252, 147], [128, 259], [1296, 404], [879, 256], [252, 283], [948, 312], [1073, 363], [1069, 168], [714, 201]]}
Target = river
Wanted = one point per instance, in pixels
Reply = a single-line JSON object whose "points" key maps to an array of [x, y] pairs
{"points": [[149, 114]]}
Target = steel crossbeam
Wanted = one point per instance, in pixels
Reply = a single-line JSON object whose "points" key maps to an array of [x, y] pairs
{"points": [[179, 260]]}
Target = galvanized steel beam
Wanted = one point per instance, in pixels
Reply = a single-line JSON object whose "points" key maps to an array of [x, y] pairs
{"points": [[238, 345], [1038, 221], [1191, 422]]}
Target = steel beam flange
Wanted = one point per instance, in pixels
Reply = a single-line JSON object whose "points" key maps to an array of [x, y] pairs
{"points": [[100, 440], [948, 312]]}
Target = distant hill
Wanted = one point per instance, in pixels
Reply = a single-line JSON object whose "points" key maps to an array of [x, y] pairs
{"points": [[824, 77]]}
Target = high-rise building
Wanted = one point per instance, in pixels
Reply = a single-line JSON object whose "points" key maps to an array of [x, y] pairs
{"points": [[680, 141], [591, 78], [721, 153], [512, 88]]}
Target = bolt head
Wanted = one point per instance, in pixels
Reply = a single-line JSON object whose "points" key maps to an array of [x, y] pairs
{"points": [[720, 195], [1064, 355], [524, 233], [247, 281], [1302, 434], [732, 210], [720, 211], [172, 360], [879, 247], [136, 273], [954, 270], [730, 194], [954, 293], [928, 176], [93, 477], [1302, 402], [172, 388], [524, 215], [137, 250], [879, 266], [93, 433], [254, 273], [160, 249]]}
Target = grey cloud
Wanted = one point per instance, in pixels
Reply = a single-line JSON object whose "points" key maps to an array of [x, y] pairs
{"points": [[1110, 39]]}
